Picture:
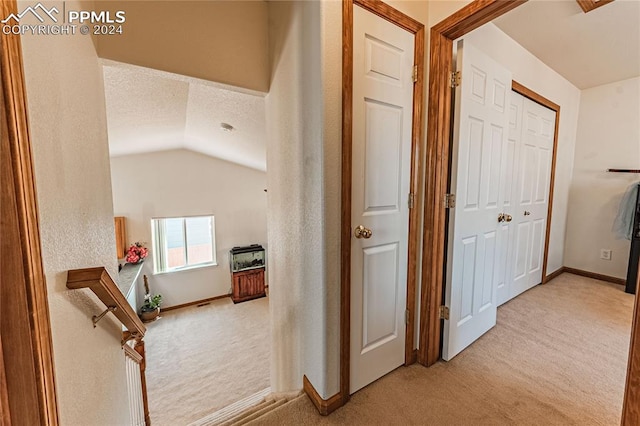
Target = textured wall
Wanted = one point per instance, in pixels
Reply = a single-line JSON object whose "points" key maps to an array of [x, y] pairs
{"points": [[185, 183], [193, 38], [304, 121], [530, 71], [68, 132], [608, 137], [285, 216]]}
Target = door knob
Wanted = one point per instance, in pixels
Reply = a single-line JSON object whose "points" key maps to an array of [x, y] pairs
{"points": [[362, 232], [503, 217], [526, 213]]}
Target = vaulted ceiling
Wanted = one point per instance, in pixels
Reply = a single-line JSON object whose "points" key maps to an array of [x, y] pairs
{"points": [[150, 110]]}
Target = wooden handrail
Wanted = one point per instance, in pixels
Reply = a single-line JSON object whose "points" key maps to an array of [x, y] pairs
{"points": [[100, 282]]}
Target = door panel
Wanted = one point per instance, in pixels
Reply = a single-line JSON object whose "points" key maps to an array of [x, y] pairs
{"points": [[382, 151], [508, 232], [381, 165], [531, 213], [476, 241], [380, 269]]}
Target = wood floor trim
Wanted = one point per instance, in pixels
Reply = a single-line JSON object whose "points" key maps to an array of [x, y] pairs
{"points": [[553, 275], [324, 406], [196, 302], [595, 275]]}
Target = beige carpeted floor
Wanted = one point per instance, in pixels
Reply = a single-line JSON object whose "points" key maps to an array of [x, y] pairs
{"points": [[557, 356], [201, 359]]}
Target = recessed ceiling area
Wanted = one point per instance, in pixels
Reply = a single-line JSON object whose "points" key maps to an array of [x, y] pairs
{"points": [[588, 49], [150, 110]]}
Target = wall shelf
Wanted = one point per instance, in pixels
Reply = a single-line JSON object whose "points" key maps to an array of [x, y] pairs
{"points": [[100, 282]]}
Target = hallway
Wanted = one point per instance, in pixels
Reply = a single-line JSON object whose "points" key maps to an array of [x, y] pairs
{"points": [[558, 355]]}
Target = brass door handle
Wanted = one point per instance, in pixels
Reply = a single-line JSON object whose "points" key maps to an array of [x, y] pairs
{"points": [[502, 217], [362, 232], [526, 213]]}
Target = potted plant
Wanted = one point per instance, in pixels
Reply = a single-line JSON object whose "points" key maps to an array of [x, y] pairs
{"points": [[151, 307]]}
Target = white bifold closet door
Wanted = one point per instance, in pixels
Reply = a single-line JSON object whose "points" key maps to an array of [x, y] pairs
{"points": [[528, 175]]}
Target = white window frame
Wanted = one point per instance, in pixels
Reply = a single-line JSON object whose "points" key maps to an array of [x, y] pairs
{"points": [[160, 258]]}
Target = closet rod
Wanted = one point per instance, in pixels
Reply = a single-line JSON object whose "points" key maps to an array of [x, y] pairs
{"points": [[624, 170]]}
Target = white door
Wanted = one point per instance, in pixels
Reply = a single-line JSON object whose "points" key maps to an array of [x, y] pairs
{"points": [[476, 241], [510, 194], [531, 195], [382, 125]]}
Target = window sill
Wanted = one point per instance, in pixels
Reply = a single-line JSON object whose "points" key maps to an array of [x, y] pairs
{"points": [[187, 268]]}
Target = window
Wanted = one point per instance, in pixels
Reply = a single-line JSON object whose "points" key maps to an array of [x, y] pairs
{"points": [[183, 243]]}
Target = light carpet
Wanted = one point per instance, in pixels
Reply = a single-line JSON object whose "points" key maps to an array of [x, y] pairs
{"points": [[557, 356], [201, 359]]}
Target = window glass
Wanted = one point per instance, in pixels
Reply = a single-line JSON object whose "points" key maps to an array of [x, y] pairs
{"points": [[183, 242]]}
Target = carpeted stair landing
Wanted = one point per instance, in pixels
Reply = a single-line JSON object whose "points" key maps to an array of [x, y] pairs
{"points": [[248, 409]]}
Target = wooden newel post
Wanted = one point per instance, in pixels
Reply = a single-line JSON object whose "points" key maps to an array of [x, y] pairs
{"points": [[139, 347]]}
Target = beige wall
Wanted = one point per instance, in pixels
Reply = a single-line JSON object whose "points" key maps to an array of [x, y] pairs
{"points": [[221, 41], [69, 137], [303, 125], [534, 74], [185, 183], [608, 137], [285, 107]]}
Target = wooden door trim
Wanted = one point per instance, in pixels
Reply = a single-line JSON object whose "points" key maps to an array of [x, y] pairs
{"points": [[631, 402], [409, 24], [14, 98], [438, 126], [442, 34], [537, 98]]}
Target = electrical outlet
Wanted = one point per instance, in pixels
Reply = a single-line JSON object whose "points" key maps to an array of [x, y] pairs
{"points": [[605, 254]]}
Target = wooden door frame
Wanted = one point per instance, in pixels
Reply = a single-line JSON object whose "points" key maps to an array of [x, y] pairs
{"points": [[24, 189], [631, 403], [439, 116], [465, 20], [409, 24]]}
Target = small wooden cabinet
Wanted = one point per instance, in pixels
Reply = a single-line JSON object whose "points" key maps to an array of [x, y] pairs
{"points": [[121, 236], [248, 285]]}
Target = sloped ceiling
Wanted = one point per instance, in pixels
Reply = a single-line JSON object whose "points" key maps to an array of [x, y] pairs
{"points": [[223, 41], [588, 49], [150, 110]]}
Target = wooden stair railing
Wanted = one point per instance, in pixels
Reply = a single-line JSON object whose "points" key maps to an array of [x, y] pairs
{"points": [[100, 282]]}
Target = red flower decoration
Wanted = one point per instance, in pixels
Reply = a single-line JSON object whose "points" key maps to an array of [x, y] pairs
{"points": [[136, 253]]}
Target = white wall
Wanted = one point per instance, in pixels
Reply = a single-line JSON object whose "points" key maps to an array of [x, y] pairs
{"points": [[608, 137], [69, 137], [292, 237], [185, 183], [304, 162], [534, 74]]}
